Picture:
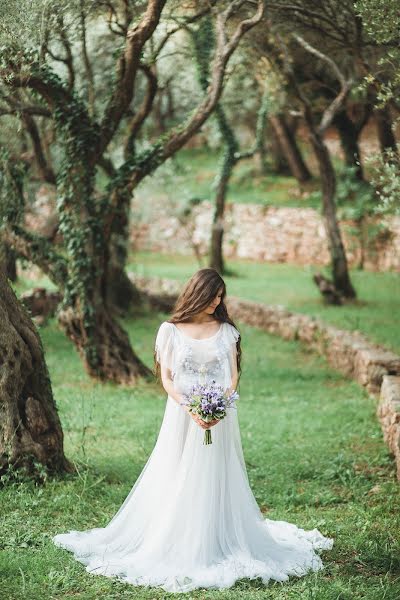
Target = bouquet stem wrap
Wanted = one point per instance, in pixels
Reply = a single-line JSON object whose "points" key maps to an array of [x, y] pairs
{"points": [[207, 437]]}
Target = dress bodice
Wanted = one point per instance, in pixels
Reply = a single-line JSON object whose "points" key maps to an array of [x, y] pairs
{"points": [[197, 361]]}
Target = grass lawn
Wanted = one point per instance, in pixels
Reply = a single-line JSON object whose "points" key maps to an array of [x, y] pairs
{"points": [[314, 453], [376, 312], [191, 174]]}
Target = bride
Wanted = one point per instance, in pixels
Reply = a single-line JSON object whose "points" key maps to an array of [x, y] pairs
{"points": [[191, 520]]}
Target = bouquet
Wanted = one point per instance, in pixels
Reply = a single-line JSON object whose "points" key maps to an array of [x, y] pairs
{"points": [[209, 401]]}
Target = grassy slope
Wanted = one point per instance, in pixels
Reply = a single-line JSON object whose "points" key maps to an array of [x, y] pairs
{"points": [[314, 453], [376, 312], [192, 173]]}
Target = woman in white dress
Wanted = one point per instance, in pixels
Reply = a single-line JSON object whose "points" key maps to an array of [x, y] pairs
{"points": [[191, 520]]}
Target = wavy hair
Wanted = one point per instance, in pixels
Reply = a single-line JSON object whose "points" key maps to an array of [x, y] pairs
{"points": [[197, 294]]}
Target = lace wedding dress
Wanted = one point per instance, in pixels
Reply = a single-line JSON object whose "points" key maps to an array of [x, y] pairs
{"points": [[191, 520]]}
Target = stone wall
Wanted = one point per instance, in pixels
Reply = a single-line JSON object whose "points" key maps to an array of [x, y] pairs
{"points": [[389, 415], [252, 231], [347, 351], [372, 365], [266, 233]]}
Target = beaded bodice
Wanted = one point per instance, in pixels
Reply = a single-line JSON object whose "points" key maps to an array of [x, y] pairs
{"points": [[197, 361], [193, 362]]}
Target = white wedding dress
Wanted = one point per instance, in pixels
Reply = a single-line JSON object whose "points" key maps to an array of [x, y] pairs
{"points": [[191, 520]]}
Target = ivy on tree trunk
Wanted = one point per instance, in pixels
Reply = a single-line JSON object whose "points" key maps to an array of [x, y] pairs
{"points": [[89, 223]]}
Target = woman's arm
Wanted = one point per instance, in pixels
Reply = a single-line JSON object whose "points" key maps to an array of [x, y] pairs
{"points": [[234, 371], [168, 384]]}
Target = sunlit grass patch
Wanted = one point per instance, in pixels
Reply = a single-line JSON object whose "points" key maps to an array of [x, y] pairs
{"points": [[314, 454]]}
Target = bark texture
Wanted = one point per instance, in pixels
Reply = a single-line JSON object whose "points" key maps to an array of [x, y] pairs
{"points": [[30, 429], [121, 293], [289, 148], [228, 163], [8, 258], [109, 356], [340, 270]]}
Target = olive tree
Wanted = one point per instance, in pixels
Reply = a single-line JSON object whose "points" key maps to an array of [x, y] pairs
{"points": [[92, 221]]}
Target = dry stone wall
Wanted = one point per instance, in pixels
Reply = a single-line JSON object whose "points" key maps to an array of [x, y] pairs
{"points": [[252, 231], [389, 415], [265, 233], [372, 365]]}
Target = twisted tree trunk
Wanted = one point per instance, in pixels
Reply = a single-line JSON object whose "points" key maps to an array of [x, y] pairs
{"points": [[289, 148], [231, 148], [105, 349], [86, 316], [121, 293], [340, 270], [30, 429]]}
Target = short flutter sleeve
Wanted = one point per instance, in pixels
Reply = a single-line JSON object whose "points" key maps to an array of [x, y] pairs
{"points": [[164, 345], [232, 335]]}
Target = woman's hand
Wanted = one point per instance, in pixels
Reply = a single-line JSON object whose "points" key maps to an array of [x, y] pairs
{"points": [[203, 424], [199, 420]]}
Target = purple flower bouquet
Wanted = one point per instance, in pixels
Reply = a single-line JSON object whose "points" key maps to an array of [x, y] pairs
{"points": [[209, 401]]}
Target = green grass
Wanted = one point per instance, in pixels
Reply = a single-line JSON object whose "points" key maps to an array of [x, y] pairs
{"points": [[314, 453], [376, 312], [191, 174]]}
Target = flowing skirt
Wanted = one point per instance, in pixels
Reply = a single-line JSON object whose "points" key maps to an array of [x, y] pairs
{"points": [[191, 520]]}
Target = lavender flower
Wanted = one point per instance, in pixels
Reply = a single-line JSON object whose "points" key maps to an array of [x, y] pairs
{"points": [[209, 401]]}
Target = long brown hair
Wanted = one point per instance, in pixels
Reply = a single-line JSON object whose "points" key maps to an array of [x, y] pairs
{"points": [[197, 294]]}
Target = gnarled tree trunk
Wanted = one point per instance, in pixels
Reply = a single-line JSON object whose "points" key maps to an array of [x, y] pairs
{"points": [[340, 270], [30, 429], [105, 350], [289, 148], [228, 162], [121, 293]]}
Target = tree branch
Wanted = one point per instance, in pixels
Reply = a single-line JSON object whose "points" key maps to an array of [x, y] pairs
{"points": [[16, 108], [223, 53], [38, 250], [345, 85], [107, 165], [321, 56], [180, 135], [38, 111], [45, 169], [86, 61], [181, 25], [127, 68], [68, 59], [144, 110], [260, 129], [311, 17], [242, 28], [113, 19], [50, 92]]}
